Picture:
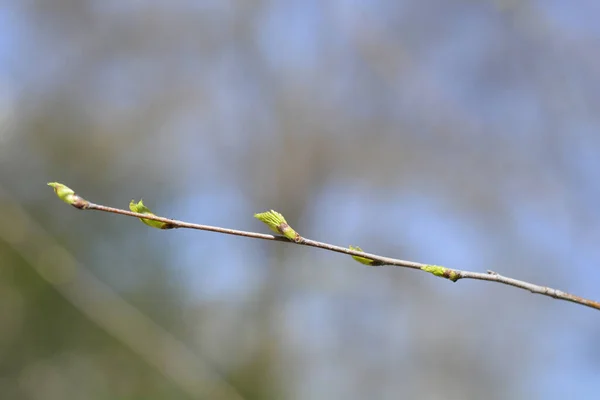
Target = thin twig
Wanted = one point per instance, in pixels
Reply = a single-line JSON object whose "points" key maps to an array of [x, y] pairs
{"points": [[255, 235], [448, 273]]}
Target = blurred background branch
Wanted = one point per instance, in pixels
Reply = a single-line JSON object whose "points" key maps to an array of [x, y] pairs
{"points": [[108, 310]]}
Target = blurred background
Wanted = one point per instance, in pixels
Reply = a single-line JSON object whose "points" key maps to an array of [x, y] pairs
{"points": [[460, 133]]}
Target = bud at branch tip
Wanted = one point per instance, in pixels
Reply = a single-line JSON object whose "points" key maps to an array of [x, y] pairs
{"points": [[67, 195]]}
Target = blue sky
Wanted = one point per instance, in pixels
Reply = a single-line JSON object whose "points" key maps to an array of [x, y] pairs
{"points": [[452, 78]]}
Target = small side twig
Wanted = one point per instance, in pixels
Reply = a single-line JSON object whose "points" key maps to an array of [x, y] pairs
{"points": [[292, 237]]}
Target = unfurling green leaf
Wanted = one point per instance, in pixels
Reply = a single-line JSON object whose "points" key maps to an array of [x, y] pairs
{"points": [[67, 195], [278, 224], [364, 260], [139, 207], [442, 272]]}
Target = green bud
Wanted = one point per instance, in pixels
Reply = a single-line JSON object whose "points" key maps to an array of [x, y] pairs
{"points": [[364, 260], [139, 207], [442, 272], [277, 223], [67, 195]]}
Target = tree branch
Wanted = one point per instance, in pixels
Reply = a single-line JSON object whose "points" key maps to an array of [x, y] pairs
{"points": [[454, 275]]}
